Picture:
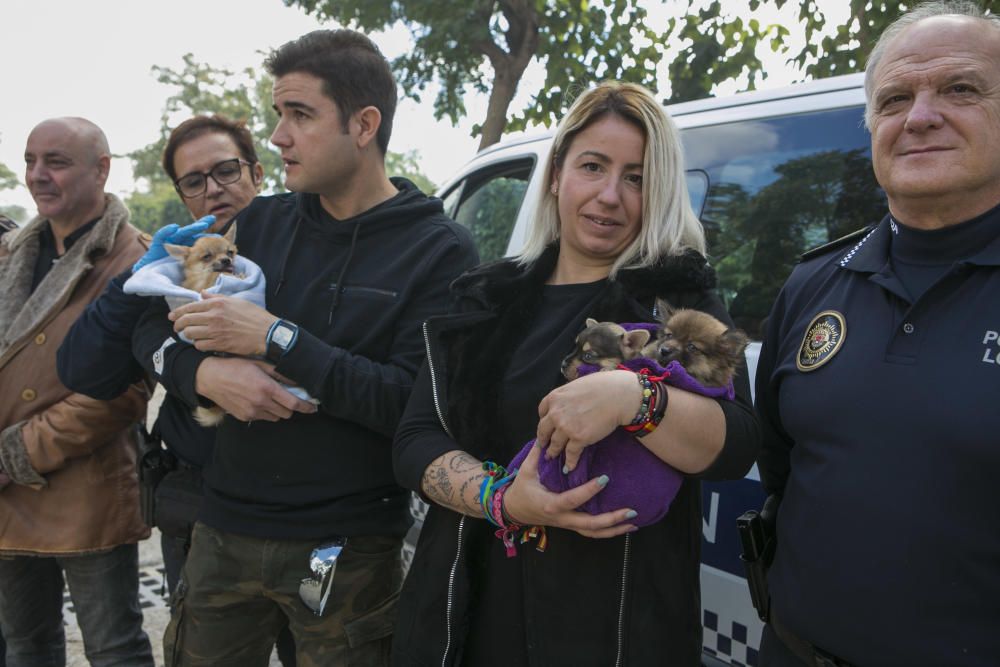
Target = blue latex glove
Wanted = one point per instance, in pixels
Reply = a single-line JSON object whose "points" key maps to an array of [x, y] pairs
{"points": [[176, 235]]}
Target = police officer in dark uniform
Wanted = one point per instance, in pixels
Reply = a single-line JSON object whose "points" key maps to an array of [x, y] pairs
{"points": [[878, 385]]}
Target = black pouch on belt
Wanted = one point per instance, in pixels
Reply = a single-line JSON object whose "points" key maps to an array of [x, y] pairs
{"points": [[178, 501]]}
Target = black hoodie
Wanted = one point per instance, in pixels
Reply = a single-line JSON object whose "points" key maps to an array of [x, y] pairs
{"points": [[359, 290]]}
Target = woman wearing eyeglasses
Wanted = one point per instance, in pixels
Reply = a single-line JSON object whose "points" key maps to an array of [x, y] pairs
{"points": [[213, 165]]}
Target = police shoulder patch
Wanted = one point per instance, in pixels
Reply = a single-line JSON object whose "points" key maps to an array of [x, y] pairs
{"points": [[824, 337]]}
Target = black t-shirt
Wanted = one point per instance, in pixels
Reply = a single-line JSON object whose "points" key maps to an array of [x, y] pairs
{"points": [[48, 255], [497, 633]]}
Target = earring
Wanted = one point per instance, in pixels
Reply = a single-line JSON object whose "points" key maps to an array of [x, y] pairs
{"points": [[554, 189]]}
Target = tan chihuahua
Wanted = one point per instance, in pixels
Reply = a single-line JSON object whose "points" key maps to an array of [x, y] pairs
{"points": [[202, 264], [206, 260]]}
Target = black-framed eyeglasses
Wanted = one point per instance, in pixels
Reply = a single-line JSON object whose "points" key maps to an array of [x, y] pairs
{"points": [[224, 173]]}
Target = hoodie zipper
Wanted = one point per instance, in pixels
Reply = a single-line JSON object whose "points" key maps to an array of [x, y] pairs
{"points": [[434, 385], [619, 661], [461, 524]]}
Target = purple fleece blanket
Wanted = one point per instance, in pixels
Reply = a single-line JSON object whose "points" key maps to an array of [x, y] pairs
{"points": [[638, 479]]}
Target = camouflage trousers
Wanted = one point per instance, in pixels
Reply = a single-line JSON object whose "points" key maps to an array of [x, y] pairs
{"points": [[236, 593]]}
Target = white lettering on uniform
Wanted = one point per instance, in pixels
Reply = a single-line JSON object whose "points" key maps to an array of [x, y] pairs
{"points": [[990, 354], [158, 356], [708, 527]]}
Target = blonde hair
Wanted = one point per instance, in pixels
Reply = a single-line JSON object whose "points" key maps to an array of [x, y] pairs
{"points": [[669, 225]]}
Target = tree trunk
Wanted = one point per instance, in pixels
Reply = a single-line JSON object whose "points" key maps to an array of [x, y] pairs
{"points": [[504, 88], [508, 67]]}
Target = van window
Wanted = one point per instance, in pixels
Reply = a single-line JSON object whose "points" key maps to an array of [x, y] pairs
{"points": [[487, 202], [776, 188]]}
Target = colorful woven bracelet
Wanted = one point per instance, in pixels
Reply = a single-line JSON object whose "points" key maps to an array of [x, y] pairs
{"points": [[496, 478], [507, 532]]}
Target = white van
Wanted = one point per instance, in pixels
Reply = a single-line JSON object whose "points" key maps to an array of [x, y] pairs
{"points": [[771, 174]]}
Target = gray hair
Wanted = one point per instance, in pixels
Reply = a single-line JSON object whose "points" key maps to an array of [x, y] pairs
{"points": [[923, 11], [669, 225]]}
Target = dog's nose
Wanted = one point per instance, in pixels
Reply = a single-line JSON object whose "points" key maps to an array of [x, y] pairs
{"points": [[226, 261]]}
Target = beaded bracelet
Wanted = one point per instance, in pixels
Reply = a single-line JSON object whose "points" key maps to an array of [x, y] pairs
{"points": [[653, 406], [662, 396]]}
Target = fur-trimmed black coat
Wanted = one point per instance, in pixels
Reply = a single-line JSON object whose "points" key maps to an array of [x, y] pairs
{"points": [[576, 591]]}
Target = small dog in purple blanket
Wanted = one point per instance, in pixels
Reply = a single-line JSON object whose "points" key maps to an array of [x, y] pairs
{"points": [[695, 352]]}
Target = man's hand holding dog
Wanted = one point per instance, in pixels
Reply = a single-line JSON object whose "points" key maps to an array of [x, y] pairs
{"points": [[224, 324], [248, 389]]}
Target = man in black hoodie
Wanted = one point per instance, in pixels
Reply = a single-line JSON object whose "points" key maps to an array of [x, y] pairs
{"points": [[355, 262]]}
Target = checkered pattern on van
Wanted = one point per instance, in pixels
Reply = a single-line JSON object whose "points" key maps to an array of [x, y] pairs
{"points": [[727, 644]]}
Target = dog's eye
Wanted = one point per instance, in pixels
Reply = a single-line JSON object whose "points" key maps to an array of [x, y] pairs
{"points": [[230, 253], [207, 256], [588, 357], [666, 335], [692, 347]]}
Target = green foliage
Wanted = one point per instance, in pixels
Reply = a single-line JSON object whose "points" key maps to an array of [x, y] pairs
{"points": [[8, 179], [18, 214], [721, 47], [204, 89], [578, 40], [408, 166], [156, 208], [847, 49]]}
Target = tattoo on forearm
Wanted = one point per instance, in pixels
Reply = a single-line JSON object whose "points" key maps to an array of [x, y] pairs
{"points": [[462, 463], [436, 483], [451, 470]]}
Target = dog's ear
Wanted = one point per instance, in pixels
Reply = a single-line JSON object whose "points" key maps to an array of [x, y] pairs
{"points": [[231, 234], [591, 322], [663, 310], [732, 342], [178, 252], [633, 342]]}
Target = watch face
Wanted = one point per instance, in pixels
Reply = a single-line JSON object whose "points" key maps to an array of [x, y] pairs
{"points": [[282, 336]]}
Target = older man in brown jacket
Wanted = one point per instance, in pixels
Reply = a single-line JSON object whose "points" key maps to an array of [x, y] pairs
{"points": [[69, 504]]}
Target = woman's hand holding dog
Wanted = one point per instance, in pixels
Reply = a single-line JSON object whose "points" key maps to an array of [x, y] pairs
{"points": [[529, 503], [224, 324], [581, 412]]}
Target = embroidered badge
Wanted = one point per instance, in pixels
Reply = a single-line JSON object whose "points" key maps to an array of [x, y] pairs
{"points": [[824, 336], [158, 356]]}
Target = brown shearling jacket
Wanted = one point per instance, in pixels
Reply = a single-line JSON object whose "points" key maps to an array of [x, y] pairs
{"points": [[72, 459]]}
